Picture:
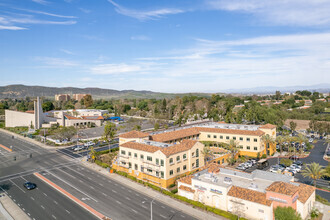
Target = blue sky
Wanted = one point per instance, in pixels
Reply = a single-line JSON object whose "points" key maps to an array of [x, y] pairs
{"points": [[165, 45]]}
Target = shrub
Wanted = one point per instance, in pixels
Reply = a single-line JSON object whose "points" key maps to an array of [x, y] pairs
{"points": [[100, 163], [322, 200], [284, 213], [264, 156], [286, 162], [172, 185], [174, 191]]}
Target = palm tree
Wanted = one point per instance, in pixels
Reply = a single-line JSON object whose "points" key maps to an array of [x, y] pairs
{"points": [[301, 139], [206, 152], [92, 153], [280, 140], [233, 148], [314, 171], [268, 140]]}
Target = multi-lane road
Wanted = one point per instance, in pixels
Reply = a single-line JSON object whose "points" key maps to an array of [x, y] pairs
{"points": [[107, 196]]}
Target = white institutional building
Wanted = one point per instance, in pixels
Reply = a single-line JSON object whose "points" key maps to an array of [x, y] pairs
{"points": [[37, 118]]}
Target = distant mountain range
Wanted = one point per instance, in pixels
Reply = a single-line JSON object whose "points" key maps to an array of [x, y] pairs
{"points": [[325, 87], [21, 91]]}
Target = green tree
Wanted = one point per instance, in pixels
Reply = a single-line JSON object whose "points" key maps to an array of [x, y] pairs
{"points": [[92, 153], [233, 148], [88, 101], [156, 126], [280, 140], [47, 106], [277, 95], [285, 213], [286, 162], [137, 127], [314, 171], [207, 153], [64, 132], [110, 131], [293, 126], [268, 141]]}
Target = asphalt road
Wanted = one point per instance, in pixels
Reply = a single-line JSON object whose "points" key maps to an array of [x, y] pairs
{"points": [[70, 153], [109, 197]]}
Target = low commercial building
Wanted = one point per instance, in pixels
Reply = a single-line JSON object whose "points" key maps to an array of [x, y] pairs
{"points": [[156, 162], [251, 195]]}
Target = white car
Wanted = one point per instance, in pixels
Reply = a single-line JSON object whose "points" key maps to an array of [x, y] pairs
{"points": [[78, 148], [311, 140], [296, 167], [88, 144]]}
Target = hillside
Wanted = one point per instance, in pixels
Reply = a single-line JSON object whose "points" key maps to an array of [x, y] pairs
{"points": [[21, 91]]}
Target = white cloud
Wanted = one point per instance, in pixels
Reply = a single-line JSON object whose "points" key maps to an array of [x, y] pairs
{"points": [[67, 51], [43, 2], [13, 28], [105, 69], [46, 13], [145, 15], [279, 12], [140, 37], [87, 11], [37, 21], [56, 62]]}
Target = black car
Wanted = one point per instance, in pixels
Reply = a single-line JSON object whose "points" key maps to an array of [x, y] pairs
{"points": [[29, 185], [298, 162]]}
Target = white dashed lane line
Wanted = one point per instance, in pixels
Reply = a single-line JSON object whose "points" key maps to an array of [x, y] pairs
{"points": [[42, 207]]}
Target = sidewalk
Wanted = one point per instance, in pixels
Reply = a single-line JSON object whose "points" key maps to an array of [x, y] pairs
{"points": [[188, 209], [324, 209], [31, 141], [9, 210]]}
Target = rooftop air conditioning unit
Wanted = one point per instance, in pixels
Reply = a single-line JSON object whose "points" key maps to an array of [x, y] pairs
{"points": [[227, 180], [253, 186]]}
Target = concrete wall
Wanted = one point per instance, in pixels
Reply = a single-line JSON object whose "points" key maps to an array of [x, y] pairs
{"points": [[305, 209], [17, 119]]}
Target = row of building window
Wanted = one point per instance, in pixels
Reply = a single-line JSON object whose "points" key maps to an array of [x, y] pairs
{"points": [[149, 158], [247, 147], [234, 138], [178, 169]]}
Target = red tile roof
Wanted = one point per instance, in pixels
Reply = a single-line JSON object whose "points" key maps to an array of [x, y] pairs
{"points": [[305, 191], [282, 188], [175, 135], [249, 195], [231, 131], [188, 189], [186, 179], [134, 134], [183, 146]]}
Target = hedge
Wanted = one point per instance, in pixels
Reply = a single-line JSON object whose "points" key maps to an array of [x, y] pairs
{"points": [[106, 151], [184, 199], [100, 163]]}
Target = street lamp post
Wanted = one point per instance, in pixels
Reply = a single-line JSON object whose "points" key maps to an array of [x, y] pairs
{"points": [[151, 205]]}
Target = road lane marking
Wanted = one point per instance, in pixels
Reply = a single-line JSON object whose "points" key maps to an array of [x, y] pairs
{"points": [[28, 214], [72, 186], [6, 148], [42, 207], [92, 187], [163, 207], [55, 202], [162, 216], [101, 184], [118, 202], [70, 196], [18, 204], [23, 209], [104, 194], [67, 211], [114, 191], [183, 216], [144, 206], [32, 198], [127, 198], [134, 211], [17, 186], [89, 178], [54, 216], [172, 211], [45, 194]]}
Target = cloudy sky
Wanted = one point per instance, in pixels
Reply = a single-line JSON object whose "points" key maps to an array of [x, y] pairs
{"points": [[165, 45]]}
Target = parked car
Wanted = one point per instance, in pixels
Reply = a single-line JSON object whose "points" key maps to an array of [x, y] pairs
{"points": [[29, 185], [311, 140], [298, 162], [294, 157], [78, 148], [241, 167]]}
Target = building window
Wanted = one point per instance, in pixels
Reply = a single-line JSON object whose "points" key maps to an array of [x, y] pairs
{"points": [[184, 167], [193, 154], [142, 168], [171, 172], [197, 163], [177, 158], [178, 170], [221, 137], [149, 170], [240, 146], [208, 136], [129, 154], [185, 156], [223, 160], [227, 137], [248, 147], [157, 173], [123, 152], [157, 161], [193, 165], [240, 138], [162, 174], [162, 163], [141, 156], [255, 140], [149, 158], [214, 136], [171, 160], [197, 153], [248, 139], [255, 148], [218, 161], [135, 166], [135, 155], [234, 138], [129, 165], [261, 211]]}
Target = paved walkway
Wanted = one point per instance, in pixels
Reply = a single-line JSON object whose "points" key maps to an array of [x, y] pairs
{"points": [[324, 209], [199, 214], [9, 210]]}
